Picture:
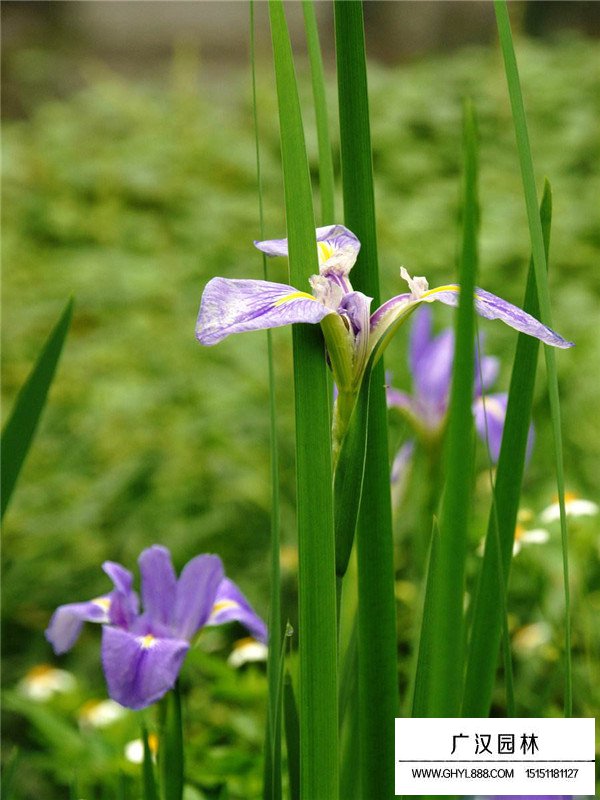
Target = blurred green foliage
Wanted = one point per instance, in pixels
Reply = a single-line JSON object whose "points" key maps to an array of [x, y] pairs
{"points": [[130, 196]]}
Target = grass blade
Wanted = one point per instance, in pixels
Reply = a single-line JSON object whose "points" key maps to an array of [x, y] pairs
{"points": [[272, 780], [20, 428], [316, 579], [445, 616], [170, 751], [427, 634], [292, 736], [539, 262], [326, 180], [378, 675], [9, 770], [488, 613], [148, 779]]}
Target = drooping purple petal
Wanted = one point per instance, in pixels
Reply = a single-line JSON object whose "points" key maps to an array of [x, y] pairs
{"points": [[67, 621], [139, 670], [233, 306], [490, 415], [432, 375], [159, 584], [420, 337], [231, 605], [196, 592], [396, 398], [486, 372], [490, 306]]}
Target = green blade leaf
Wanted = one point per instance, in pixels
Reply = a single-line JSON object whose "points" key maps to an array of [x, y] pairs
{"points": [[539, 263], [148, 779], [348, 478], [326, 180], [20, 428], [292, 736], [427, 631], [488, 612], [445, 616], [378, 675], [171, 751], [314, 479], [272, 788]]}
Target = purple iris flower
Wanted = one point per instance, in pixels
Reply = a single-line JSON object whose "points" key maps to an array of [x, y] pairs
{"points": [[430, 360], [143, 652], [355, 336]]}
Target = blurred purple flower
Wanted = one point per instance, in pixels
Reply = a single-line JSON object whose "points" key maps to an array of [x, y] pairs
{"points": [[143, 652], [431, 359]]}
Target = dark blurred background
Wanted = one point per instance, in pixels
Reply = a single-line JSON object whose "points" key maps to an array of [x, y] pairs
{"points": [[137, 37]]}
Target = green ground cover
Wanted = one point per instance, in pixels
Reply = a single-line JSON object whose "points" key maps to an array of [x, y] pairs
{"points": [[130, 196]]}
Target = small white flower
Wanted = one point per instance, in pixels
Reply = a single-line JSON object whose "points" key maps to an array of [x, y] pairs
{"points": [[100, 713], [247, 650], [134, 750], [574, 507], [524, 536], [530, 637], [44, 681]]}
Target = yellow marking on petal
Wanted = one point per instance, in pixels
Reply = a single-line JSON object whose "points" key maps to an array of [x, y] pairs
{"points": [[148, 641], [222, 605], [102, 602], [294, 296], [447, 288], [325, 251]]}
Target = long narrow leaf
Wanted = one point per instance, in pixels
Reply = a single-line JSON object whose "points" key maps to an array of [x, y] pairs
{"points": [[378, 676], [427, 632], [317, 595], [488, 610], [326, 180], [272, 777], [20, 428], [446, 613], [170, 751], [539, 262], [292, 736], [148, 780]]}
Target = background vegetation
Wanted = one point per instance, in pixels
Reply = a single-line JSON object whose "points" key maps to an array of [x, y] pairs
{"points": [[130, 195]]}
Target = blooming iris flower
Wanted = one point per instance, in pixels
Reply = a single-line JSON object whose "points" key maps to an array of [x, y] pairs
{"points": [[143, 652], [355, 336]]}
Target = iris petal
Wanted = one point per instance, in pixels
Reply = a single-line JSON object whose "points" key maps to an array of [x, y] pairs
{"points": [[490, 306], [159, 584], [67, 621], [139, 670], [231, 605], [196, 592], [232, 306]]}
